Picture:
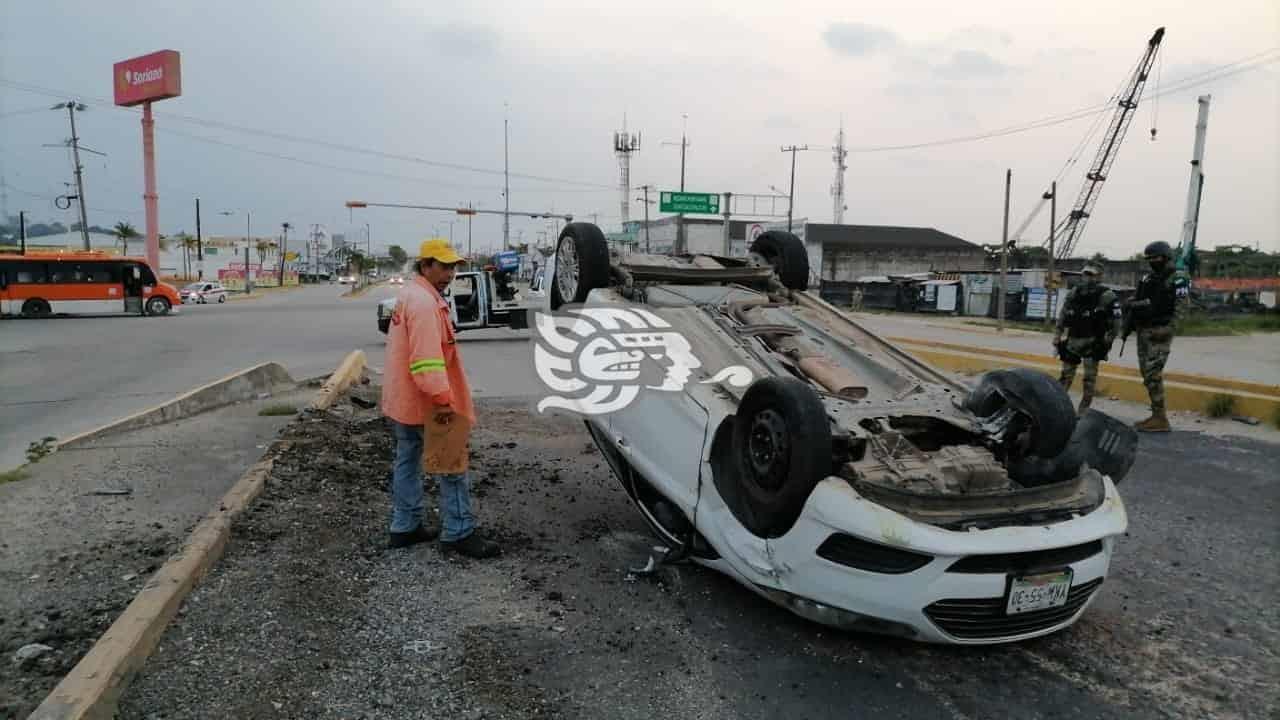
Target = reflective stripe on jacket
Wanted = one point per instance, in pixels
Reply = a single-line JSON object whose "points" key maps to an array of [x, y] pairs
{"points": [[423, 367]]}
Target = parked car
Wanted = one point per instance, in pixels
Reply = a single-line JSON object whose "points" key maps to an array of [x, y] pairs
{"points": [[204, 292], [820, 466]]}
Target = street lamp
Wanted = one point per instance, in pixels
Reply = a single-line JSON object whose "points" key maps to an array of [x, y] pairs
{"points": [[248, 282]]}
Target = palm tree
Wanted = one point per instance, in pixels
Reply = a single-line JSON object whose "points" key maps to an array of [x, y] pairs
{"points": [[123, 231]]}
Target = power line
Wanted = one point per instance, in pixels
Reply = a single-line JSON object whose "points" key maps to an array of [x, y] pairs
{"points": [[1184, 84], [304, 140]]}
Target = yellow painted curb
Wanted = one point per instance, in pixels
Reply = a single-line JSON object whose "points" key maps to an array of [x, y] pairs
{"points": [[1112, 369], [92, 690], [1182, 392]]}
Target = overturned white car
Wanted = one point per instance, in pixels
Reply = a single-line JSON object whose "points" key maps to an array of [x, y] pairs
{"points": [[763, 433]]}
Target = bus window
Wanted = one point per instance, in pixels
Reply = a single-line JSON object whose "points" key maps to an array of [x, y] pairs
{"points": [[60, 273], [96, 273], [148, 277], [30, 272]]}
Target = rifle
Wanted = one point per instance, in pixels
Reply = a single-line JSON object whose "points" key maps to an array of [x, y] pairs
{"points": [[1123, 340]]}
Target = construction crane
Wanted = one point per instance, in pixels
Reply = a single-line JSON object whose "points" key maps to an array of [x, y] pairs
{"points": [[1071, 228], [1185, 260]]}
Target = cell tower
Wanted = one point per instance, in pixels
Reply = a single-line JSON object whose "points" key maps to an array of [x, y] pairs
{"points": [[624, 144], [839, 154]]}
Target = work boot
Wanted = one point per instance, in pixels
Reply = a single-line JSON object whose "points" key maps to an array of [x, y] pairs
{"points": [[473, 546], [423, 533], [1158, 422]]}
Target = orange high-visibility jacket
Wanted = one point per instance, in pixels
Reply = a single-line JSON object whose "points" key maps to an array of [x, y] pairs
{"points": [[423, 368]]}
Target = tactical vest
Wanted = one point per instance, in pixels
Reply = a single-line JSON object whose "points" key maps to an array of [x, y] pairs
{"points": [[1083, 317]]}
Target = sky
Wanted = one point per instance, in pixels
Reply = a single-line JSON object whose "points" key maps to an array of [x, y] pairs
{"points": [[272, 96]]}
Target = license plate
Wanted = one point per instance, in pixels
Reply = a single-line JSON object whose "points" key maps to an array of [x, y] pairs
{"points": [[1038, 592]]}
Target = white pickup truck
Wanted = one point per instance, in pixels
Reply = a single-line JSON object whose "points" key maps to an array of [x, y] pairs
{"points": [[477, 299]]}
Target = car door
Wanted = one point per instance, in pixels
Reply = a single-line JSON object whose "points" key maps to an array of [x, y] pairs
{"points": [[661, 433]]}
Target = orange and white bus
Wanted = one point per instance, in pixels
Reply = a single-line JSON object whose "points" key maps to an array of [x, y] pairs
{"points": [[38, 284]]}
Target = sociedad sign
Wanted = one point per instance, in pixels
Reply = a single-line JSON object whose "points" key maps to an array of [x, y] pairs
{"points": [[689, 202], [150, 77]]}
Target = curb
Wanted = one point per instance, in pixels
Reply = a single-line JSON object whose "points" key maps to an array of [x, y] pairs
{"points": [[92, 690], [242, 385], [1183, 391]]}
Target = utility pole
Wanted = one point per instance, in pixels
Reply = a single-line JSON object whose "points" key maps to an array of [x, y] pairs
{"points": [[199, 245], [22, 232], [791, 194], [469, 216], [684, 145], [284, 249], [646, 189], [72, 108], [1004, 251], [506, 183], [1050, 283]]}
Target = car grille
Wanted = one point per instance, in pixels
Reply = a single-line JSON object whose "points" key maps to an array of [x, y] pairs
{"points": [[985, 619], [1025, 561]]}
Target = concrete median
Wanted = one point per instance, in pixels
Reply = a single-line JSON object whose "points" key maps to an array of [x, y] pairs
{"points": [[245, 384], [1183, 391], [92, 690]]}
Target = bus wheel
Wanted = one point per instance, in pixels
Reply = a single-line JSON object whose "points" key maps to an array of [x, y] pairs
{"points": [[157, 306], [36, 307]]}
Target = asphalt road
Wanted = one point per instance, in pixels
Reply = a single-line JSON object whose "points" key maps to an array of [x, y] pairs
{"points": [[64, 375]]}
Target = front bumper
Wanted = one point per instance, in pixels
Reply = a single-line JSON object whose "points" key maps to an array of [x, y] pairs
{"points": [[937, 602]]}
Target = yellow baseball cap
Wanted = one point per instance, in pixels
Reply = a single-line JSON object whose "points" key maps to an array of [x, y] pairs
{"points": [[438, 249]]}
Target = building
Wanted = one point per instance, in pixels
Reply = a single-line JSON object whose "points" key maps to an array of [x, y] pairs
{"points": [[849, 252]]}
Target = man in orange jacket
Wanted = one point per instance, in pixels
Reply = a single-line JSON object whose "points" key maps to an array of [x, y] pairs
{"points": [[424, 386]]}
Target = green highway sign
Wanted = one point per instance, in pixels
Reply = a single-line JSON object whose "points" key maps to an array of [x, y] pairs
{"points": [[689, 202]]}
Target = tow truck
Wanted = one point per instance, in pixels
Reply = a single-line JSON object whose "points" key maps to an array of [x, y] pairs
{"points": [[478, 299]]}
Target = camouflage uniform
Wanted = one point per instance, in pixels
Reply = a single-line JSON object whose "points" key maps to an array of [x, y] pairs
{"points": [[1154, 324], [1091, 319]]}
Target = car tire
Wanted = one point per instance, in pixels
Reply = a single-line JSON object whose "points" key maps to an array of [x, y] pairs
{"points": [[222, 298], [782, 447], [158, 306], [1044, 405], [37, 307], [582, 264], [786, 254]]}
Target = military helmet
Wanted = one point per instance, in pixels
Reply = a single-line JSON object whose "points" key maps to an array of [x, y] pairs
{"points": [[1158, 248]]}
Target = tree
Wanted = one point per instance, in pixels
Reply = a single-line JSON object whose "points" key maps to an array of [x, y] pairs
{"points": [[123, 232], [1098, 258], [187, 243], [264, 248], [398, 254]]}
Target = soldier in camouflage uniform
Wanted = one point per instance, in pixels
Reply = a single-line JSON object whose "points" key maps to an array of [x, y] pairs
{"points": [[1091, 319], [1152, 314]]}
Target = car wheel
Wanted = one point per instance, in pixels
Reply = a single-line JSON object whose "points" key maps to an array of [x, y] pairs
{"points": [[782, 444], [222, 298], [157, 306], [36, 307], [785, 253], [1046, 416], [582, 264]]}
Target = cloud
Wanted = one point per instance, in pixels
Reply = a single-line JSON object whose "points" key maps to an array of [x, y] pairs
{"points": [[472, 41], [971, 65], [859, 39]]}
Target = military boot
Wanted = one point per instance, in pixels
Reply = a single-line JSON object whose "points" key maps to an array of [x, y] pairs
{"points": [[1158, 422]]}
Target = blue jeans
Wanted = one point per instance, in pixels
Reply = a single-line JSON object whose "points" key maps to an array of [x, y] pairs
{"points": [[406, 489]]}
